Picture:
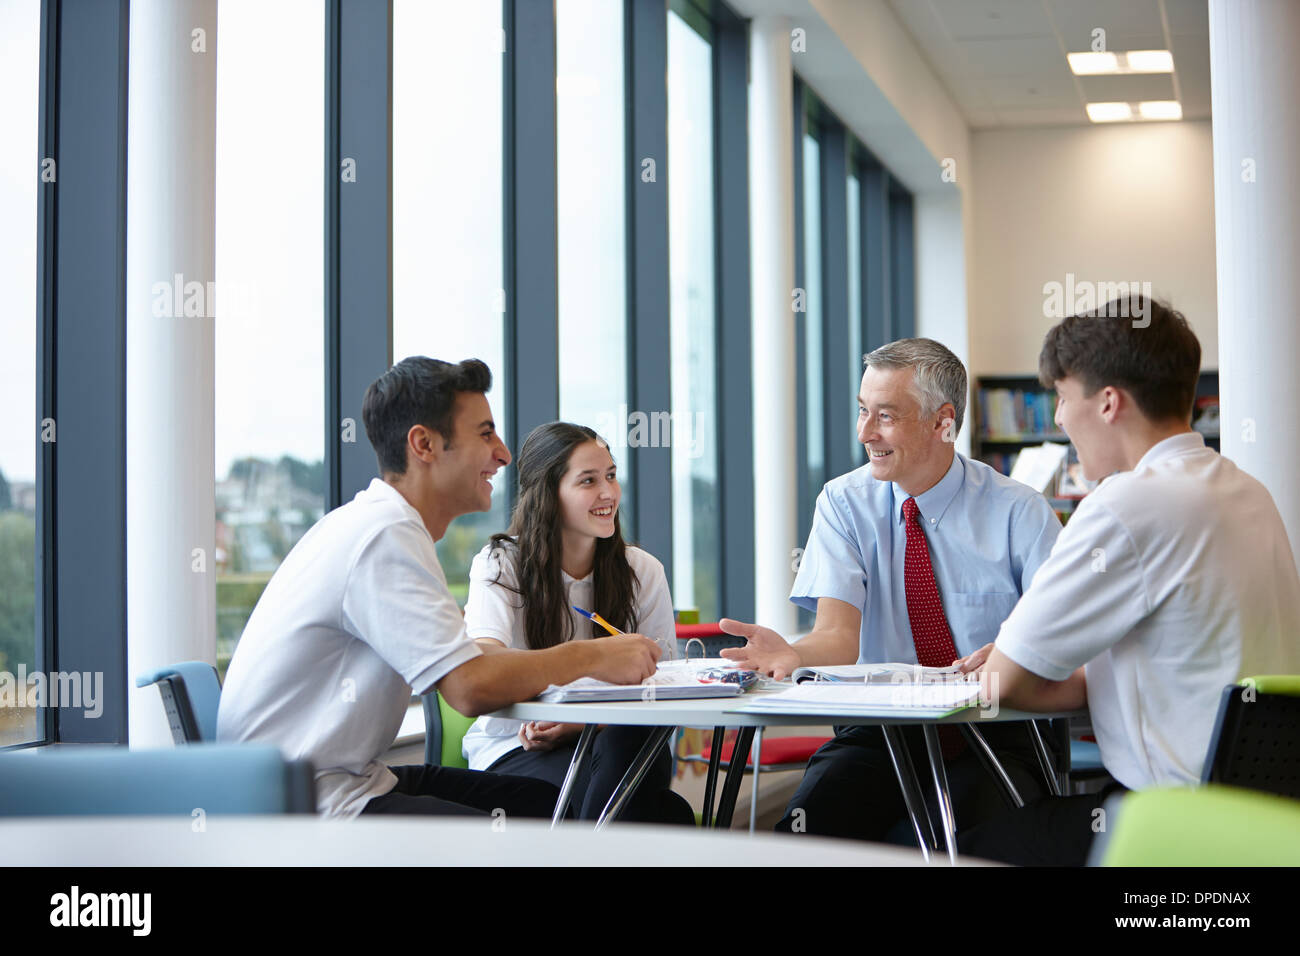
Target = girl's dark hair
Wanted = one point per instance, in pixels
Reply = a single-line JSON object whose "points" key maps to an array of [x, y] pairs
{"points": [[535, 542]]}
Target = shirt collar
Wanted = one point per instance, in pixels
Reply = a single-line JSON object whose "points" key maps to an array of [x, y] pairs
{"points": [[1180, 444], [933, 502]]}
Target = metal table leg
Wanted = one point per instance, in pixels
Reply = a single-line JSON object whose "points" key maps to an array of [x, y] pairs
{"points": [[911, 789], [635, 774], [991, 763], [1044, 758], [711, 779], [570, 775], [735, 773], [940, 775], [758, 768]]}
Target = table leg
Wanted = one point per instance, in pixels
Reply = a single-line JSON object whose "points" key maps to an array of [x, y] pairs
{"points": [[994, 766], [1044, 758], [758, 768], [911, 790], [940, 775], [711, 779], [575, 764], [735, 774], [635, 773]]}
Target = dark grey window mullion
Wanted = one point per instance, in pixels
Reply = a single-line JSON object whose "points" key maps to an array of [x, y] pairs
{"points": [[358, 230], [902, 283], [531, 227], [838, 391], [650, 357], [734, 368], [875, 256], [81, 342]]}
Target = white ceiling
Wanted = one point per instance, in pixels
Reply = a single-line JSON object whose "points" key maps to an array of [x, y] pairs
{"points": [[1003, 61]]}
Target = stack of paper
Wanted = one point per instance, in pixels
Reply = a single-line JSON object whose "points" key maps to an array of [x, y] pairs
{"points": [[882, 674], [674, 680], [867, 700]]}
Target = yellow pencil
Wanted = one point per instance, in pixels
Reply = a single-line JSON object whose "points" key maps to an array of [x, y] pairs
{"points": [[593, 616]]}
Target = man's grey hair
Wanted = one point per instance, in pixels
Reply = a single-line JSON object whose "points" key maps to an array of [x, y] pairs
{"points": [[937, 375]]}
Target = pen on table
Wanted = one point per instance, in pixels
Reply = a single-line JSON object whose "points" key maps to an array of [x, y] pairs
{"points": [[593, 616]]}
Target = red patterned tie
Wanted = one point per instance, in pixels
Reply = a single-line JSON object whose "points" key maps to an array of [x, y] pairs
{"points": [[930, 633]]}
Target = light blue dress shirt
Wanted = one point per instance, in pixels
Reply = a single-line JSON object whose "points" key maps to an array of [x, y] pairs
{"points": [[987, 536]]}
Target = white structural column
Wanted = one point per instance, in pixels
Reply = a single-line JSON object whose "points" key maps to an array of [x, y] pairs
{"points": [[941, 281], [1255, 85], [171, 166], [771, 244]]}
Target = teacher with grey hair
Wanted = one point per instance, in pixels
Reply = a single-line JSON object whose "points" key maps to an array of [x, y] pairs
{"points": [[916, 557]]}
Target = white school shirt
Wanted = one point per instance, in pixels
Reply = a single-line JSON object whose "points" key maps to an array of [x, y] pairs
{"points": [[495, 611], [1169, 582], [356, 616]]}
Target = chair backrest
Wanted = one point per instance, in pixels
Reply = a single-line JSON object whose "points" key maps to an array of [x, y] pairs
{"points": [[444, 729], [1205, 826], [1256, 738], [191, 694], [94, 781]]}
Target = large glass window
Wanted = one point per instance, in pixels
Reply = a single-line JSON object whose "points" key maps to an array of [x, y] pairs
{"points": [[853, 198], [19, 427], [693, 321], [270, 373], [813, 322], [448, 251], [591, 189]]}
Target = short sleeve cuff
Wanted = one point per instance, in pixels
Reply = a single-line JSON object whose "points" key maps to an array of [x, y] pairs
{"points": [[424, 681], [1030, 659], [855, 597]]}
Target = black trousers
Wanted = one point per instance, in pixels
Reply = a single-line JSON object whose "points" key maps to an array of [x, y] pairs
{"points": [[1053, 831], [612, 752], [453, 791], [850, 789]]}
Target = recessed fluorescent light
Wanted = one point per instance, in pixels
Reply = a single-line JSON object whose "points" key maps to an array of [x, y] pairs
{"points": [[1085, 64], [1134, 61], [1109, 112], [1161, 110], [1150, 61]]}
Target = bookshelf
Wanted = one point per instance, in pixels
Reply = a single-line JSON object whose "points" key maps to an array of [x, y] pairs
{"points": [[1011, 412]]}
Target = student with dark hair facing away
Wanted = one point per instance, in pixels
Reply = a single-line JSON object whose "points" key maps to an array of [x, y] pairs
{"points": [[358, 615], [565, 548], [1172, 579]]}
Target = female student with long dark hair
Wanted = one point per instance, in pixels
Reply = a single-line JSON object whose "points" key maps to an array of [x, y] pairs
{"points": [[564, 548]]}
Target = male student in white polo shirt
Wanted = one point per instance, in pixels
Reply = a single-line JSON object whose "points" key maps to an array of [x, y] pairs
{"points": [[358, 615], [1171, 580]]}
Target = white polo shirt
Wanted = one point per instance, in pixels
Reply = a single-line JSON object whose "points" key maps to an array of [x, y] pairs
{"points": [[1169, 582], [356, 616], [494, 610]]}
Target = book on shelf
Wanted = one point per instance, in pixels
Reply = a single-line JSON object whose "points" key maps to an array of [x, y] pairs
{"points": [[1016, 413]]}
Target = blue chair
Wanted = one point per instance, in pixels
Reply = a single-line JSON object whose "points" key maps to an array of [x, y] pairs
{"points": [[190, 692], [114, 781]]}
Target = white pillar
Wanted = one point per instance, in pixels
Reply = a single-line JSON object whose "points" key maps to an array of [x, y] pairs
{"points": [[771, 246], [170, 242], [1255, 85], [941, 283]]}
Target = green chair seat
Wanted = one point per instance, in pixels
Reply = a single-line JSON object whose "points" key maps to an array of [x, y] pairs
{"points": [[1205, 826]]}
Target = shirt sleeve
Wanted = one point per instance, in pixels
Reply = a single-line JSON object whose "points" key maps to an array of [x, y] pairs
{"points": [[1032, 536], [493, 610], [832, 563], [654, 612], [1089, 593], [396, 600]]}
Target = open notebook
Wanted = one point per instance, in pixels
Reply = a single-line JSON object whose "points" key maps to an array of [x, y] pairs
{"points": [[674, 680]]}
